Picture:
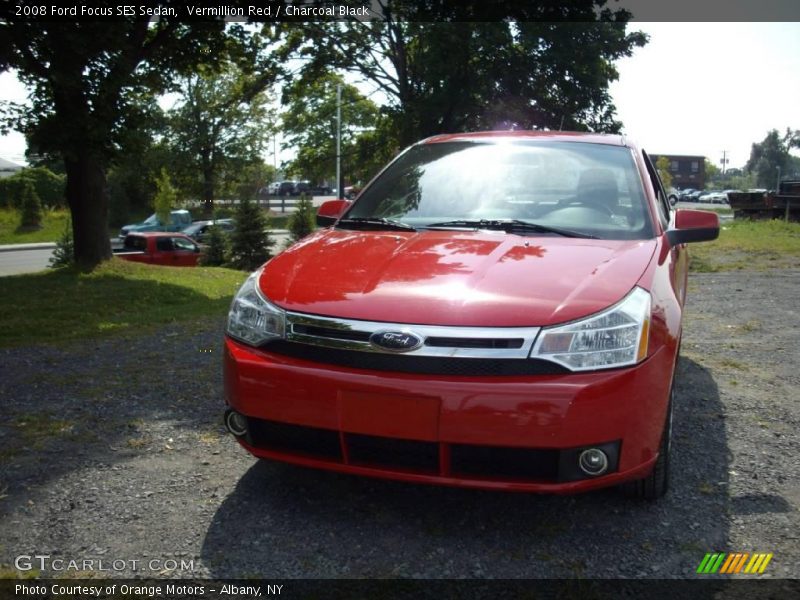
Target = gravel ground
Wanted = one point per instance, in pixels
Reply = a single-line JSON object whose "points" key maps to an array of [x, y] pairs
{"points": [[113, 450]]}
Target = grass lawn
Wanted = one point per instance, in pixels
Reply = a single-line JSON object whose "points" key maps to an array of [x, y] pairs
{"points": [[118, 296], [744, 244], [52, 227]]}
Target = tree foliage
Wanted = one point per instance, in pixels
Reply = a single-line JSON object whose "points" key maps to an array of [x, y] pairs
{"points": [[166, 197], [309, 125], [771, 155], [221, 125], [662, 164], [64, 253], [216, 252], [49, 187], [250, 242], [443, 68], [303, 220], [30, 207], [87, 79]]}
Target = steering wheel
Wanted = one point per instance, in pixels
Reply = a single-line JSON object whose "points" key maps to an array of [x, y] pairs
{"points": [[593, 205]]}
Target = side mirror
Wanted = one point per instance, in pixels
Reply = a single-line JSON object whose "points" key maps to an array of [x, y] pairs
{"points": [[330, 211], [693, 226]]}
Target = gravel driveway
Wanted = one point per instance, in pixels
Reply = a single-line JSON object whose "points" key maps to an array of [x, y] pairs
{"points": [[113, 450]]}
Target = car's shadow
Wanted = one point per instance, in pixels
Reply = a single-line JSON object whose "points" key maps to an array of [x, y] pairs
{"points": [[286, 521]]}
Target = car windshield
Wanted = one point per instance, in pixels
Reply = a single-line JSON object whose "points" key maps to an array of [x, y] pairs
{"points": [[151, 220], [587, 188]]}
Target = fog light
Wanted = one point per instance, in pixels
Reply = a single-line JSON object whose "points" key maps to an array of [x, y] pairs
{"points": [[593, 462], [236, 423]]}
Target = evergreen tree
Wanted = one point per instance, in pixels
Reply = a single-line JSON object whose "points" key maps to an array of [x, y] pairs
{"points": [[31, 207], [303, 220], [64, 254], [216, 253], [166, 197], [250, 243]]}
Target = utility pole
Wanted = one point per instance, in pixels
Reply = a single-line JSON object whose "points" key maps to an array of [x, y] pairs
{"points": [[339, 182], [724, 160]]}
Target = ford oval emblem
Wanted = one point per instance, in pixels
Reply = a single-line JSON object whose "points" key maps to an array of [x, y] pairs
{"points": [[395, 341]]}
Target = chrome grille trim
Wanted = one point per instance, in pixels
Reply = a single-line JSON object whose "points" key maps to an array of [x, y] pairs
{"points": [[367, 328]]}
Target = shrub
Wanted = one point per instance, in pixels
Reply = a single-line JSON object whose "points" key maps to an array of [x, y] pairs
{"points": [[303, 220], [48, 186], [31, 207], [250, 242], [64, 254], [216, 253]]}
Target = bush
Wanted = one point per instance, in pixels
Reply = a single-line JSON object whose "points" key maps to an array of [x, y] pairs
{"points": [[31, 207], [250, 243], [216, 253], [303, 220], [64, 254], [48, 186]]}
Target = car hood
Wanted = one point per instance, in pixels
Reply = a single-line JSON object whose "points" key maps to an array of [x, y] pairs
{"points": [[453, 278]]}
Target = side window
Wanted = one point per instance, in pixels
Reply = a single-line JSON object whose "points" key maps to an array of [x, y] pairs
{"points": [[661, 197], [183, 244], [164, 244]]}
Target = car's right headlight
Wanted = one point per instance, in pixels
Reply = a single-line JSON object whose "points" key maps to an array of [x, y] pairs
{"points": [[252, 318], [615, 337]]}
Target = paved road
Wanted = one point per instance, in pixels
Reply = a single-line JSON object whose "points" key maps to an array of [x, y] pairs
{"points": [[16, 262], [24, 261]]}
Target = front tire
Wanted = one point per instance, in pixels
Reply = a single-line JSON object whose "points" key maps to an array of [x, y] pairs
{"points": [[656, 484]]}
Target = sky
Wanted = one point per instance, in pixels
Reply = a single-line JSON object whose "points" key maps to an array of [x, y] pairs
{"points": [[695, 88]]}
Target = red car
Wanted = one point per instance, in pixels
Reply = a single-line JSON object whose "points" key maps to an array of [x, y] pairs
{"points": [[160, 248], [496, 310]]}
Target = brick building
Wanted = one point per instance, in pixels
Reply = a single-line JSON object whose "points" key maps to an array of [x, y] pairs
{"points": [[687, 171]]}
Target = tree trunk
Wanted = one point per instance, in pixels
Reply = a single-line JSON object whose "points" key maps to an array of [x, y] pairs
{"points": [[88, 202]]}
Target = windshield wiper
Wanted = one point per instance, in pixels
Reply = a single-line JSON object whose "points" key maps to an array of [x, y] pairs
{"points": [[375, 223], [509, 226]]}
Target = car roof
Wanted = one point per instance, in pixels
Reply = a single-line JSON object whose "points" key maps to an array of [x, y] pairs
{"points": [[558, 136], [157, 233]]}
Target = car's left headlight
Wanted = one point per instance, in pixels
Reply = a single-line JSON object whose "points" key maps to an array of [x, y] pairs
{"points": [[252, 318], [615, 337]]}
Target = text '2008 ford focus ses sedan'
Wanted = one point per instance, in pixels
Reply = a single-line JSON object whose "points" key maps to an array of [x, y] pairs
{"points": [[495, 310]]}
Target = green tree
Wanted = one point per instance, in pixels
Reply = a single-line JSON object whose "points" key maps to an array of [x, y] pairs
{"points": [[713, 174], [216, 252], [303, 220], [250, 242], [309, 125], [769, 157], [166, 197], [86, 80], [221, 124], [64, 253], [31, 207], [662, 164], [448, 67]]}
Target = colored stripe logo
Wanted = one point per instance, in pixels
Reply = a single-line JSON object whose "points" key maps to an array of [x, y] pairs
{"points": [[732, 563]]}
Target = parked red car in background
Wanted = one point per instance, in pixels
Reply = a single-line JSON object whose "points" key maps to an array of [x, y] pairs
{"points": [[496, 310]]}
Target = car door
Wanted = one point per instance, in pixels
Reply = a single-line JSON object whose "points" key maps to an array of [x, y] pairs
{"points": [[186, 252]]}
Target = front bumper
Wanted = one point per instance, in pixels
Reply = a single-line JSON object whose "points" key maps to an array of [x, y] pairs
{"points": [[503, 432]]}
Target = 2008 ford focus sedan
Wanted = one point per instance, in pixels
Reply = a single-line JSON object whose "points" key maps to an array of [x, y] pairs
{"points": [[495, 310]]}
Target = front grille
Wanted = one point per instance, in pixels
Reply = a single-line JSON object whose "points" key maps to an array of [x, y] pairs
{"points": [[493, 461], [393, 452], [294, 439], [331, 333], [465, 461], [425, 365], [450, 342]]}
